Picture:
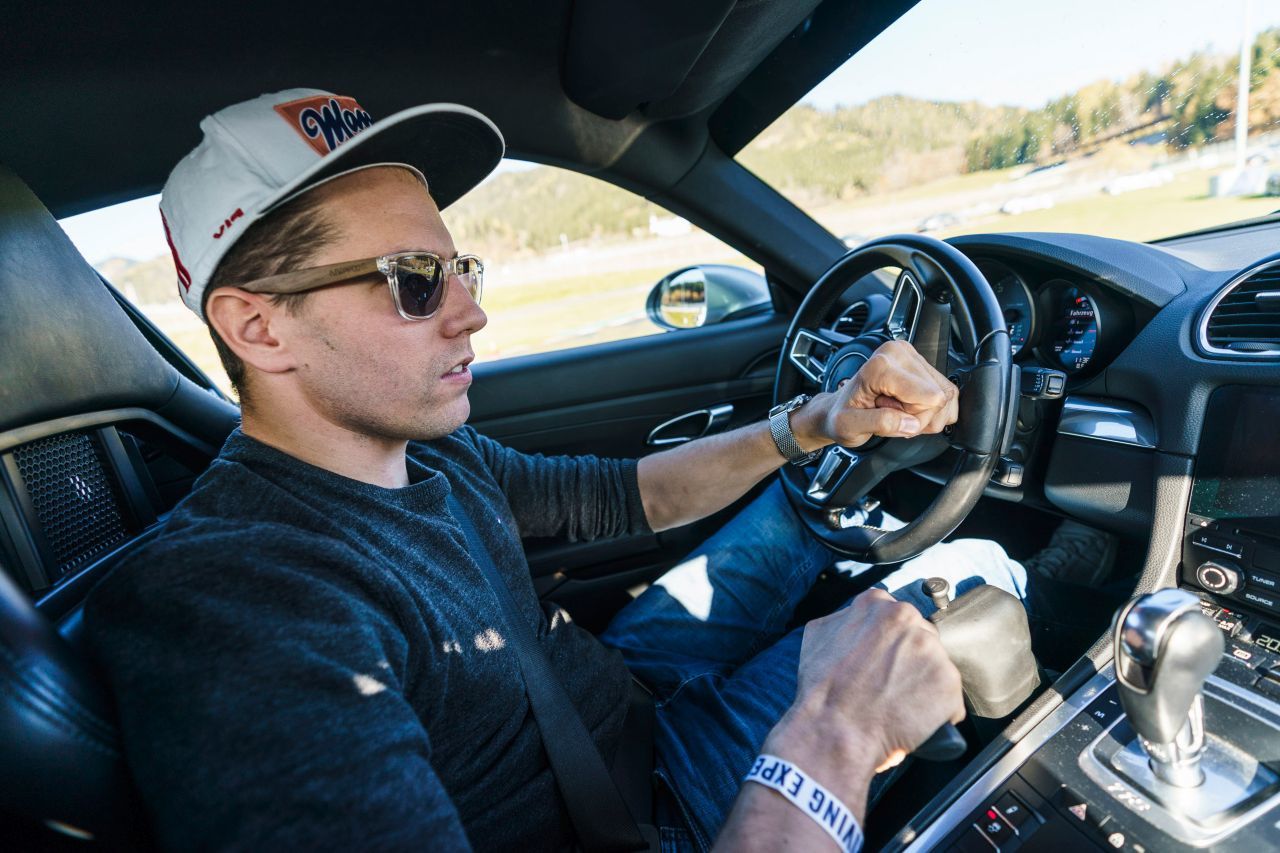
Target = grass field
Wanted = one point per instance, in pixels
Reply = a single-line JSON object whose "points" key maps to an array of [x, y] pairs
{"points": [[1142, 215], [585, 308]]}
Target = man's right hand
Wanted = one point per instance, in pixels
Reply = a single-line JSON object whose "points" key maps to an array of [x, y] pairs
{"points": [[877, 671], [874, 683]]}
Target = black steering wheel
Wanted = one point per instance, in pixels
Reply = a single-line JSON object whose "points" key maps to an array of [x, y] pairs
{"points": [[936, 285]]}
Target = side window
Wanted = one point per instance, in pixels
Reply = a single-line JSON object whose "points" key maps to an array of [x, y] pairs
{"points": [[569, 261], [125, 244], [572, 260]]}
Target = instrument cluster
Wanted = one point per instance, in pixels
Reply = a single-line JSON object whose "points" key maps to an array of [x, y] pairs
{"points": [[1066, 323]]}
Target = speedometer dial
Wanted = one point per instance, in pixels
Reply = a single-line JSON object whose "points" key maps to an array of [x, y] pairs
{"points": [[1075, 329], [1015, 302]]}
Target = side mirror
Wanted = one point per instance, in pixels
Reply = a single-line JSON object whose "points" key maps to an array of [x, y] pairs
{"points": [[705, 294]]}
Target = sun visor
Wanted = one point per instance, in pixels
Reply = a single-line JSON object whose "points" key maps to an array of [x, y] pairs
{"points": [[622, 55]]}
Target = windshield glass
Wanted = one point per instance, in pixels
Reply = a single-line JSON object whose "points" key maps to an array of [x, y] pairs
{"points": [[1108, 118]]}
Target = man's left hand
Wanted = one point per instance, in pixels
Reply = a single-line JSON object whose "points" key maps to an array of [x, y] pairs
{"points": [[896, 394]]}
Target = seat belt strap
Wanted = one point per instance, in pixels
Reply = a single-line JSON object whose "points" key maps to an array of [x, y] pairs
{"points": [[599, 815]]}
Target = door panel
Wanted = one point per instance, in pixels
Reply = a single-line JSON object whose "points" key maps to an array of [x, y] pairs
{"points": [[606, 400]]}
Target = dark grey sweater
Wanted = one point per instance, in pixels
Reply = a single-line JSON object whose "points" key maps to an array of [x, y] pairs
{"points": [[303, 661]]}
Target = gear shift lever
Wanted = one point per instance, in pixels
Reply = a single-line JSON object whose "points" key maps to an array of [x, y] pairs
{"points": [[1165, 648]]}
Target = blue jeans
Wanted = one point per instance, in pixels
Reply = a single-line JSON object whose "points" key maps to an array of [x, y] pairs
{"points": [[709, 639]]}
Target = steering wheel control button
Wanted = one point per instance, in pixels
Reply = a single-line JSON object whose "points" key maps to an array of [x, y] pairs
{"points": [[1218, 578]]}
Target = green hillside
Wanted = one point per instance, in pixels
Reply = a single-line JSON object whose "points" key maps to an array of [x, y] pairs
{"points": [[886, 144]]}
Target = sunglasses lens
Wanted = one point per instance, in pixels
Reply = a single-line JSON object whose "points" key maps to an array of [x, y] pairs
{"points": [[471, 273], [418, 281]]}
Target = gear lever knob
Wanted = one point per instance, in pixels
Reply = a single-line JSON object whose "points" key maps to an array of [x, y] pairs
{"points": [[1165, 648]]}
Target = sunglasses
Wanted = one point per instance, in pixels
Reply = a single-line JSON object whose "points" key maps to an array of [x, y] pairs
{"points": [[418, 280]]}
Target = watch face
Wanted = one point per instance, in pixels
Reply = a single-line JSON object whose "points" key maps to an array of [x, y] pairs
{"points": [[791, 405]]}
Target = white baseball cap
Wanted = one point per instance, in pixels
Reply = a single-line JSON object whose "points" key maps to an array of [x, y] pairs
{"points": [[259, 154]]}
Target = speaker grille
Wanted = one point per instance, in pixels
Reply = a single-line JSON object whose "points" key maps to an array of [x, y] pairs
{"points": [[75, 501]]}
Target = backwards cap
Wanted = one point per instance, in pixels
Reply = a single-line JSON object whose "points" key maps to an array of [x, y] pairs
{"points": [[259, 154]]}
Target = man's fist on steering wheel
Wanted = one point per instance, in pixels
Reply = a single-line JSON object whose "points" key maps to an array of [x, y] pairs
{"points": [[896, 394]]}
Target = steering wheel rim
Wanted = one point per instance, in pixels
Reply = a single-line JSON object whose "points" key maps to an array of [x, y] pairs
{"points": [[942, 283]]}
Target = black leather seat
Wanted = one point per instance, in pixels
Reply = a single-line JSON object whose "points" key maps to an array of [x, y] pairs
{"points": [[77, 382]]}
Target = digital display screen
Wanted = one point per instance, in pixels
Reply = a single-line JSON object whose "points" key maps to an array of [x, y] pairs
{"points": [[1238, 465], [1267, 636], [1075, 330]]}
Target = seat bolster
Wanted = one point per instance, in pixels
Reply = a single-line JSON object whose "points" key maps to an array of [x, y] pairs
{"points": [[65, 345], [62, 761]]}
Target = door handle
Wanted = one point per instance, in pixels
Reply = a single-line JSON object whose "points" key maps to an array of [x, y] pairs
{"points": [[683, 428]]}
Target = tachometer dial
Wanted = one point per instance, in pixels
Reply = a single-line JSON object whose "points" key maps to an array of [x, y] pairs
{"points": [[1075, 329], [1015, 301]]}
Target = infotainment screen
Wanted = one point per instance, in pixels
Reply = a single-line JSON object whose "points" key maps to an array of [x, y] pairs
{"points": [[1238, 465]]}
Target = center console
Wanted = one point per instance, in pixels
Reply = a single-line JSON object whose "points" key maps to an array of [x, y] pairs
{"points": [[1174, 744]]}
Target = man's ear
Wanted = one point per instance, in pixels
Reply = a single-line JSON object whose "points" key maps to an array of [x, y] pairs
{"points": [[245, 322]]}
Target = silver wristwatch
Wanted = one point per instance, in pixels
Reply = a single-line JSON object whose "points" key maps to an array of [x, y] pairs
{"points": [[780, 429]]}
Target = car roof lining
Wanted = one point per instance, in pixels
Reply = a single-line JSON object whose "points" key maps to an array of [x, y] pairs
{"points": [[130, 90]]}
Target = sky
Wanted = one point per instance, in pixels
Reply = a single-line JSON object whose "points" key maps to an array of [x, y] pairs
{"points": [[996, 51], [1000, 52]]}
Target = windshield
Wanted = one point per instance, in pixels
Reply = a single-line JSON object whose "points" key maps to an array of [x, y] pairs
{"points": [[1118, 119]]}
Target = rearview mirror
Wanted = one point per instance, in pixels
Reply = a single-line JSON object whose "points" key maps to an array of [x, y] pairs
{"points": [[705, 294]]}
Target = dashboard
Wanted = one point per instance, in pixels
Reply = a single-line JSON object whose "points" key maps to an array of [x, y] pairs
{"points": [[1170, 441], [1122, 321]]}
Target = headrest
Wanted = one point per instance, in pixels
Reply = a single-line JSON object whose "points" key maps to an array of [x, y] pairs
{"points": [[66, 346]]}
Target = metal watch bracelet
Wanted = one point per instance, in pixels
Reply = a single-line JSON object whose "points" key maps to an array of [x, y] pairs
{"points": [[783, 437]]}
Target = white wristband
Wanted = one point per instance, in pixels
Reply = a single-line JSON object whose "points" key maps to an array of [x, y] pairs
{"points": [[810, 797]]}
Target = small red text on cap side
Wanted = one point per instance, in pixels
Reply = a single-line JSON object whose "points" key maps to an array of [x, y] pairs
{"points": [[226, 223]]}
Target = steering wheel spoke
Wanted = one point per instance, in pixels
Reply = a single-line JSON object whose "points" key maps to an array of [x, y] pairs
{"points": [[812, 351], [904, 310], [921, 312], [839, 474]]}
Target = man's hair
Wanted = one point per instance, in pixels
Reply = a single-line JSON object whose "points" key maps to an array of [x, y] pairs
{"points": [[281, 241]]}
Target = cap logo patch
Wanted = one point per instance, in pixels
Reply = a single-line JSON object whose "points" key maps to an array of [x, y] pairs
{"points": [[325, 121]]}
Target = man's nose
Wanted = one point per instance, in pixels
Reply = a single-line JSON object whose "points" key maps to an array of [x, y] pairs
{"points": [[461, 311]]}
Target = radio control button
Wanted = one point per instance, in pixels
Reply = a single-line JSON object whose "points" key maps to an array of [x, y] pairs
{"points": [[1221, 544], [1268, 602], [1263, 581], [1218, 578]]}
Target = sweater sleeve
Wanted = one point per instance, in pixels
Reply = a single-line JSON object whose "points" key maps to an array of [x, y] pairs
{"points": [[261, 700], [577, 497]]}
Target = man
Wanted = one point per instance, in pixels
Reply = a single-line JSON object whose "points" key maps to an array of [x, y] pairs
{"points": [[308, 657]]}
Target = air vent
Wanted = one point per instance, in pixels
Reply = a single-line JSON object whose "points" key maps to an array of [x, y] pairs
{"points": [[1244, 319], [854, 320]]}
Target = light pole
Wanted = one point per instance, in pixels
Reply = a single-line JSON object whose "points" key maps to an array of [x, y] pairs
{"points": [[1242, 97]]}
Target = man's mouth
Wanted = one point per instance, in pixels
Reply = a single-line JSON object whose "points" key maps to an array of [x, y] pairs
{"points": [[460, 367]]}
